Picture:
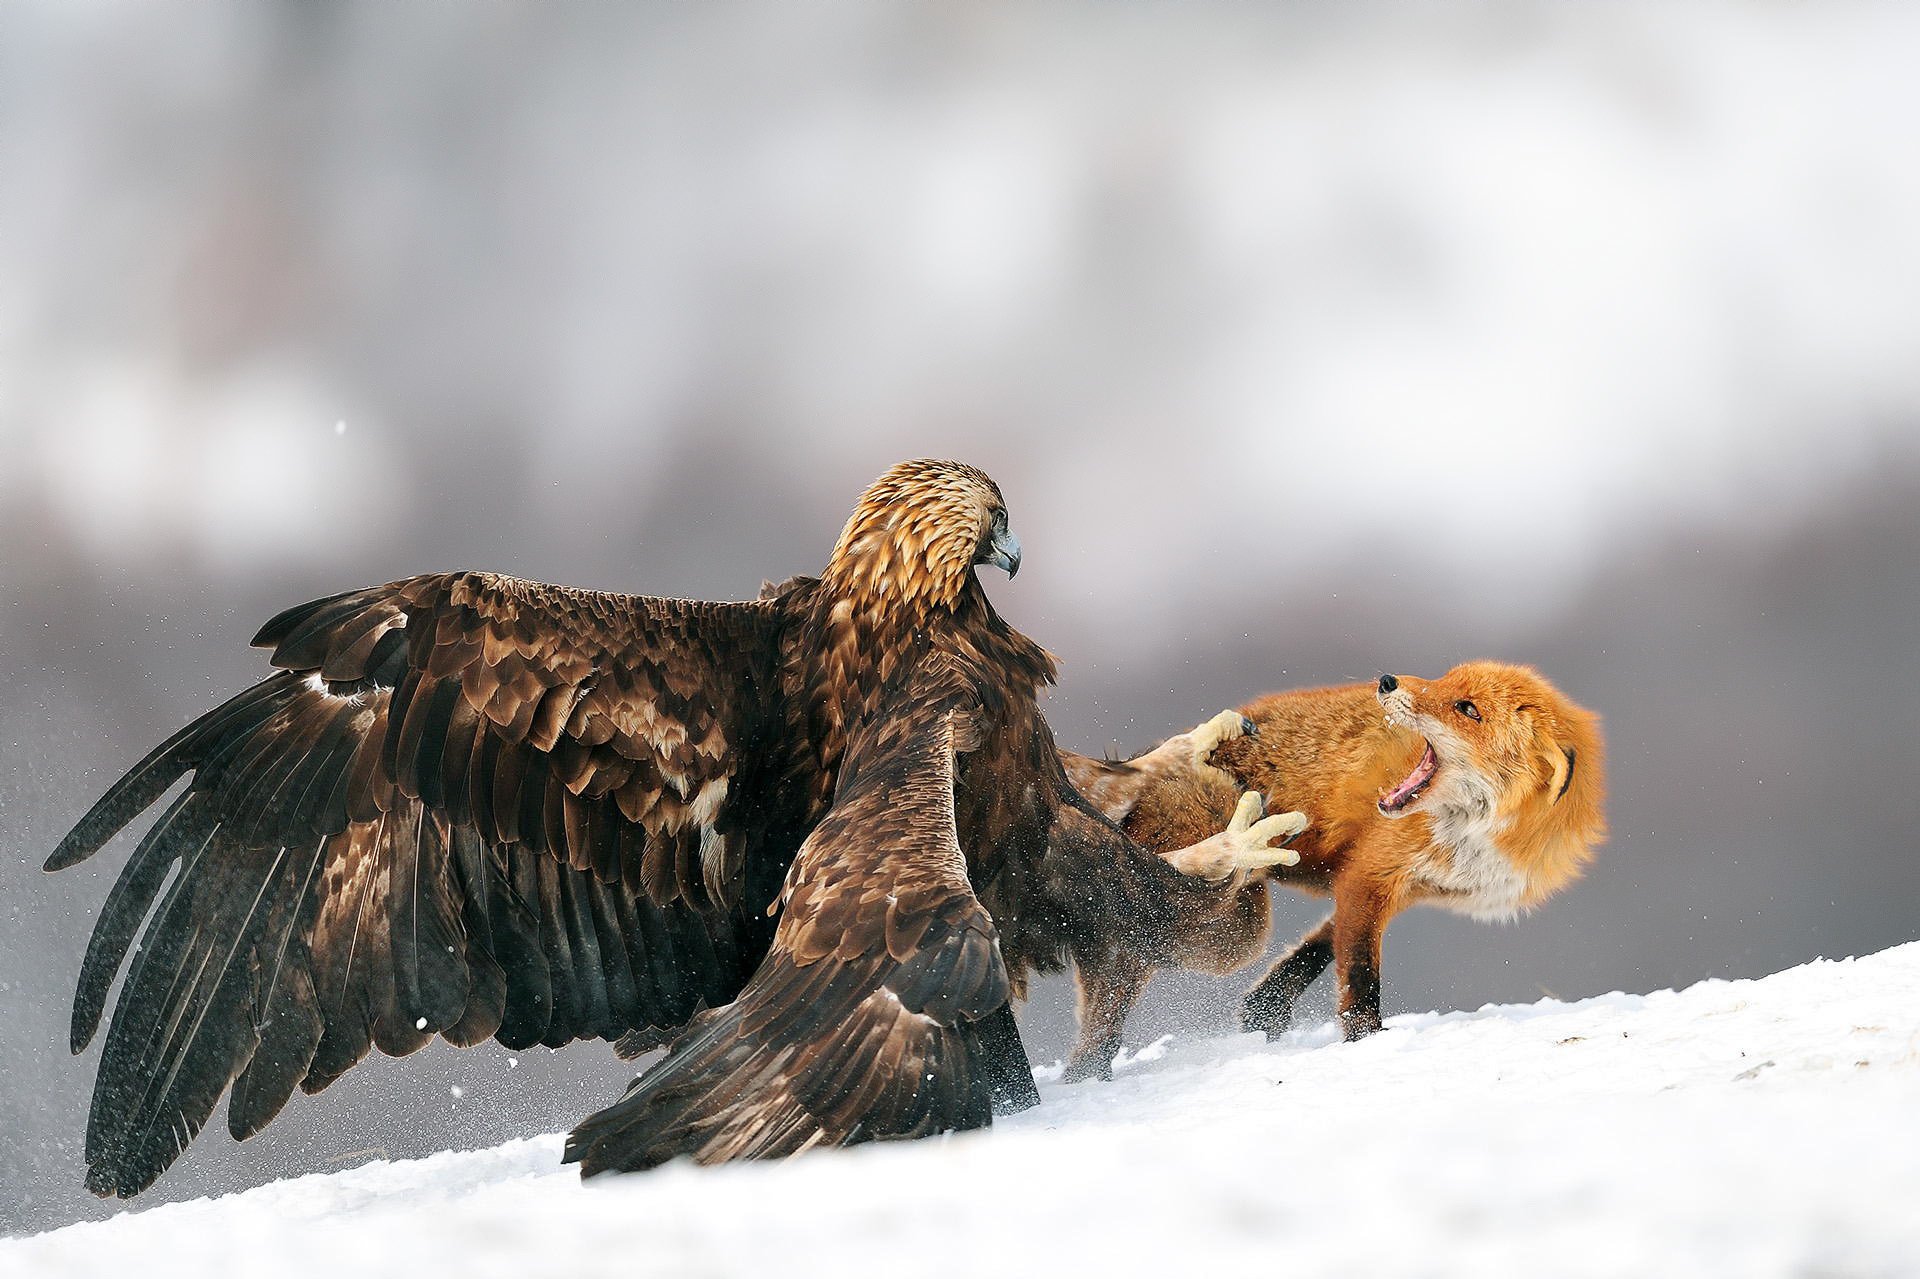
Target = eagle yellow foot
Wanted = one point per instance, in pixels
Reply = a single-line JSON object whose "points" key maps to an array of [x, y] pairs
{"points": [[1247, 844], [1208, 737]]}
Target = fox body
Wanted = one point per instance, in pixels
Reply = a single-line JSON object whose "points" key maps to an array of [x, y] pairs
{"points": [[1482, 791]]}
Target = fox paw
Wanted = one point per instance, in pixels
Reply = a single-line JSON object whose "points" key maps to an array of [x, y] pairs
{"points": [[1266, 1014], [1222, 728], [1079, 1069], [1245, 845]]}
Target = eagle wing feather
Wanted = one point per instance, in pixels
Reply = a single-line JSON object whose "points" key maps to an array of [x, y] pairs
{"points": [[464, 805], [863, 1022]]}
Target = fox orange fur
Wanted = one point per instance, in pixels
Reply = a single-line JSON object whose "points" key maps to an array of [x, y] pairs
{"points": [[1482, 791]]}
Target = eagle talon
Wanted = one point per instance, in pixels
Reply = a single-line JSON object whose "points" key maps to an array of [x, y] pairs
{"points": [[1216, 732], [1251, 833], [1247, 844]]}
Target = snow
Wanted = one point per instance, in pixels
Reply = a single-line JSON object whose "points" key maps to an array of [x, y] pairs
{"points": [[1733, 1128]]}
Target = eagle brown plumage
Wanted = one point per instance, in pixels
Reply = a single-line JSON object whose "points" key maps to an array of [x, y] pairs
{"points": [[476, 807], [865, 1020]]}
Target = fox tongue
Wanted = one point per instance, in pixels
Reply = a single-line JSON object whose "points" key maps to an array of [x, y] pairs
{"points": [[1422, 774]]}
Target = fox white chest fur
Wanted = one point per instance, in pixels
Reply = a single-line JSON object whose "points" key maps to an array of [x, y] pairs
{"points": [[1464, 866]]}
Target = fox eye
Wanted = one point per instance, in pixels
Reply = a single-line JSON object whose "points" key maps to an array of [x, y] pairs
{"points": [[1468, 709]]}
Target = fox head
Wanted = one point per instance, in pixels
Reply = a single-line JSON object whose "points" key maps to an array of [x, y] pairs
{"points": [[1503, 747]]}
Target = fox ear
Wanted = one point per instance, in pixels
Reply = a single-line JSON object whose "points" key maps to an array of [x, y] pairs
{"points": [[1562, 761]]}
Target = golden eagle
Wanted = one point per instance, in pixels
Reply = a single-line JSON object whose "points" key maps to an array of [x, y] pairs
{"points": [[477, 807]]}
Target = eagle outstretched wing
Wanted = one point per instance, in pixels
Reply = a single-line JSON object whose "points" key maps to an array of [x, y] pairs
{"points": [[465, 805], [864, 1021]]}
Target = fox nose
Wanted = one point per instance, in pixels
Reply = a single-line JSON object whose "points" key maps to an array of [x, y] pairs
{"points": [[1388, 683]]}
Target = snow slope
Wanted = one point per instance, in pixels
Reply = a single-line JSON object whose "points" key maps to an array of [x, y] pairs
{"points": [[1733, 1128]]}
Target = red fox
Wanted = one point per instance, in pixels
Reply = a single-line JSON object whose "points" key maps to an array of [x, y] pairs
{"points": [[1482, 791]]}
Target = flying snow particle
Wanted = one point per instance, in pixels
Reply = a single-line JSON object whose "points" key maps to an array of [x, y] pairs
{"points": [[420, 1023], [457, 1091]]}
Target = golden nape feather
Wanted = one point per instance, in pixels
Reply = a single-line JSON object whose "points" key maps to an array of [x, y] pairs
{"points": [[476, 807], [915, 535]]}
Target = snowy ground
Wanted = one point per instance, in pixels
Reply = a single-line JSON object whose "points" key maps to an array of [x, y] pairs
{"points": [[1735, 1128]]}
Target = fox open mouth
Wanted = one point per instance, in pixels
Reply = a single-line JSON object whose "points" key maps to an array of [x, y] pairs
{"points": [[1410, 789]]}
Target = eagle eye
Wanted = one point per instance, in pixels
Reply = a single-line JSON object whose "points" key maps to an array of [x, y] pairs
{"points": [[1468, 709]]}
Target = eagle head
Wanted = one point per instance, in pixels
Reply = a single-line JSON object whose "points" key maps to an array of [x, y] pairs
{"points": [[917, 532]]}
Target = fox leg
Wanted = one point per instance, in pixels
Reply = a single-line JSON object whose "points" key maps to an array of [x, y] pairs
{"points": [[1359, 918], [1106, 991], [1269, 1005]]}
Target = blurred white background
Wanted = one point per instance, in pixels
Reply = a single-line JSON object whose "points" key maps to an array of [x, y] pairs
{"points": [[1307, 342]]}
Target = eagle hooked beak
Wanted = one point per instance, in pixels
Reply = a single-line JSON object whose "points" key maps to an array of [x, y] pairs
{"points": [[1003, 551]]}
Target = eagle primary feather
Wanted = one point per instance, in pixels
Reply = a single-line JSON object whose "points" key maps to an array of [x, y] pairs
{"points": [[476, 807]]}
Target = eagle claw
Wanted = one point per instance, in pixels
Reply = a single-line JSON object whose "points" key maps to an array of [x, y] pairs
{"points": [[1222, 728], [1245, 845], [1253, 832]]}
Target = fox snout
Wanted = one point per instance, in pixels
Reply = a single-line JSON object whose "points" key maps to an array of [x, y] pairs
{"points": [[1396, 699]]}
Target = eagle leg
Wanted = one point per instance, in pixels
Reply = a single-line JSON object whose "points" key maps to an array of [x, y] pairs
{"points": [[1008, 1073], [1245, 845]]}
